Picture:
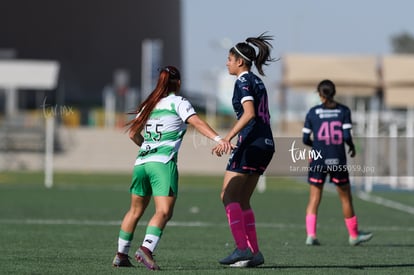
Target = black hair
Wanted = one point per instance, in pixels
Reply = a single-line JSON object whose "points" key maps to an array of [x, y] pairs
{"points": [[326, 88], [245, 51]]}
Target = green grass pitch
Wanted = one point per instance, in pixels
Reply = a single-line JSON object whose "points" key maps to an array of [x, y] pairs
{"points": [[73, 228]]}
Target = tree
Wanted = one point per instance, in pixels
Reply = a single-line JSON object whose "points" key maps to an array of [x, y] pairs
{"points": [[403, 43]]}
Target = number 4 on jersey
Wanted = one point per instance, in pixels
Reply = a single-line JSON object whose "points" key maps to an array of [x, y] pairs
{"points": [[330, 132]]}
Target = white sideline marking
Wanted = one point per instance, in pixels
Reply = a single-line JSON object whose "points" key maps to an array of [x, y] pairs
{"points": [[385, 202], [174, 224], [381, 201]]}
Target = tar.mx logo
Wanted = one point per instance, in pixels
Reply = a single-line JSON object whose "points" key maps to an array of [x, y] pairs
{"points": [[55, 110], [303, 154]]}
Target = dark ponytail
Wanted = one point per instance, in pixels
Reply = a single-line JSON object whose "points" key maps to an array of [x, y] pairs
{"points": [[246, 51]]}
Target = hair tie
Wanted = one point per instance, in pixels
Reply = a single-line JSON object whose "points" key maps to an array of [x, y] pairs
{"points": [[242, 55]]}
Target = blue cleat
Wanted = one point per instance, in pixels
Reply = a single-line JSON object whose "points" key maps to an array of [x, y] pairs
{"points": [[362, 237], [237, 256], [312, 241]]}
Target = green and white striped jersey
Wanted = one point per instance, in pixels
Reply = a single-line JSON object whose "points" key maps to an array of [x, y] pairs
{"points": [[165, 130]]}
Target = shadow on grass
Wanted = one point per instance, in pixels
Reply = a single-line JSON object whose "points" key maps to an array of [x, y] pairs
{"points": [[337, 266], [292, 267], [392, 245]]}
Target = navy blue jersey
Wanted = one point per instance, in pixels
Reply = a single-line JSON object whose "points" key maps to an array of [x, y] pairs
{"points": [[248, 86], [255, 145], [331, 129]]}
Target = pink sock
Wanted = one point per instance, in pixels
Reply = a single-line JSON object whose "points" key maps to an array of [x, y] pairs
{"points": [[311, 225], [352, 226], [235, 218], [250, 228]]}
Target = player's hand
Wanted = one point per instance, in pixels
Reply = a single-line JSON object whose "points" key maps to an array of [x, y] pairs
{"points": [[224, 147], [351, 151], [217, 150]]}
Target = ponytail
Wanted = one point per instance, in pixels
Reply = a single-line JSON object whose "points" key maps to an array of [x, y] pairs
{"points": [[168, 81], [246, 51]]}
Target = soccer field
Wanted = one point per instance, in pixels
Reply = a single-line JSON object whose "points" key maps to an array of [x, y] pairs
{"points": [[73, 228]]}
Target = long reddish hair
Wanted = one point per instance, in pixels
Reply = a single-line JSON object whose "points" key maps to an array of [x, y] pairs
{"points": [[168, 82]]}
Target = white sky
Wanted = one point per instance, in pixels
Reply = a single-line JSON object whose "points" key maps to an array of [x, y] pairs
{"points": [[298, 26]]}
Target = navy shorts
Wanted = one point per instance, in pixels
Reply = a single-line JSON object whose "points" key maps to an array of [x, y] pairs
{"points": [[318, 177], [251, 158]]}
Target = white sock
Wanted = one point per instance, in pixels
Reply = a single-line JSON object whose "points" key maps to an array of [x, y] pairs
{"points": [[123, 246], [150, 242]]}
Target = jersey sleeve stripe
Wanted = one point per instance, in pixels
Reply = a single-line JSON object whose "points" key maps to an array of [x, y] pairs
{"points": [[247, 98], [306, 130], [347, 126], [186, 116]]}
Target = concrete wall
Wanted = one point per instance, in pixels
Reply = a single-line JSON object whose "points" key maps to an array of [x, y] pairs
{"points": [[91, 149], [111, 150]]}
